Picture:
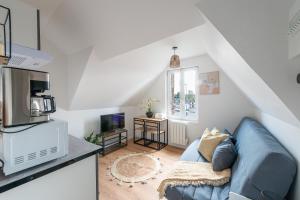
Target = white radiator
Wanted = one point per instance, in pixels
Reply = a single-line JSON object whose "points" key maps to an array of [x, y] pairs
{"points": [[177, 133]]}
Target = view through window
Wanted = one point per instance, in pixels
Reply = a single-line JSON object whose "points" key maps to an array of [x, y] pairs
{"points": [[182, 93]]}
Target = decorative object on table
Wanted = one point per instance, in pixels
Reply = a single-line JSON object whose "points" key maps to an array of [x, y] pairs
{"points": [[93, 138], [135, 167], [209, 83], [175, 60], [159, 116], [5, 35], [148, 106], [149, 114]]}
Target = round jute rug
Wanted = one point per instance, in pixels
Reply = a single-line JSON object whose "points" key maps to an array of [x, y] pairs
{"points": [[136, 167]]}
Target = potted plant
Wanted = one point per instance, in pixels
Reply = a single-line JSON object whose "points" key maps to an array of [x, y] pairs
{"points": [[93, 138], [147, 105]]}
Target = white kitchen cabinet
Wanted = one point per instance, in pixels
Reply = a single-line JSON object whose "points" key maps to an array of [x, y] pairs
{"points": [[24, 29]]}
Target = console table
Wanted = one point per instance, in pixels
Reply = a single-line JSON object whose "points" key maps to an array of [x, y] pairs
{"points": [[156, 128], [113, 140]]}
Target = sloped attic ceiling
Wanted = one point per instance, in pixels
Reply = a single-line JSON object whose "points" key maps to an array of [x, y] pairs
{"points": [[253, 50], [105, 39], [121, 38], [48, 7], [113, 27], [121, 80]]}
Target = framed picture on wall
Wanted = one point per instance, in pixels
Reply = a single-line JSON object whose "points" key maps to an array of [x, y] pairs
{"points": [[209, 83]]}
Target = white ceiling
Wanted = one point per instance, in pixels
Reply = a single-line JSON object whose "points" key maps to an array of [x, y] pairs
{"points": [[105, 40], [253, 50], [125, 77], [117, 48], [46, 6], [113, 27]]}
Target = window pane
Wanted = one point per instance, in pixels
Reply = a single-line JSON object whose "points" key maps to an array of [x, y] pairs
{"points": [[182, 93], [189, 89], [174, 93]]}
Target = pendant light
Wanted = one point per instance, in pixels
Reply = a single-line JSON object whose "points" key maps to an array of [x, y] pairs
{"points": [[175, 61]]}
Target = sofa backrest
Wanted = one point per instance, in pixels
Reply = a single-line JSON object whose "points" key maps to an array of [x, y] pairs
{"points": [[264, 169]]}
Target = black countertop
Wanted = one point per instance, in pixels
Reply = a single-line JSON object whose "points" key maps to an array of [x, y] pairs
{"points": [[78, 150]]}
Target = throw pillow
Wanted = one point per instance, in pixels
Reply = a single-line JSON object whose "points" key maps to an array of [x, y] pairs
{"points": [[208, 143], [224, 155], [215, 131], [231, 136]]}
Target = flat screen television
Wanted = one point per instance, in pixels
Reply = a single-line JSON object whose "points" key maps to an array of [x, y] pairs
{"points": [[112, 122]]}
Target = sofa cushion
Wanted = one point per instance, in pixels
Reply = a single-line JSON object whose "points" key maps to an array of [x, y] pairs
{"points": [[209, 141], [263, 165], [192, 154], [224, 155]]}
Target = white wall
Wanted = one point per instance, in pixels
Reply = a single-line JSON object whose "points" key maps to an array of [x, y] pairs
{"points": [[58, 73], [224, 110], [253, 50], [119, 81], [117, 26], [157, 91], [76, 65], [65, 71], [24, 29], [289, 136], [64, 76], [83, 122]]}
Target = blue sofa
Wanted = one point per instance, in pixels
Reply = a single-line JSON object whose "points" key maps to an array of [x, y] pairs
{"points": [[263, 169]]}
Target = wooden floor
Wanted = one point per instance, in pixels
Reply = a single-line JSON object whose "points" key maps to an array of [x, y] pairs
{"points": [[112, 190]]}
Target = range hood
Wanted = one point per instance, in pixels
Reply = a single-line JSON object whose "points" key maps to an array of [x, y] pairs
{"points": [[25, 57], [16, 55]]}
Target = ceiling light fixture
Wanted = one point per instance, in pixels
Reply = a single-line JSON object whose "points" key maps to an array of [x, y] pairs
{"points": [[175, 61]]}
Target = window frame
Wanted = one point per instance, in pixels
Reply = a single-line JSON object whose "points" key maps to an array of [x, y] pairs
{"points": [[182, 116]]}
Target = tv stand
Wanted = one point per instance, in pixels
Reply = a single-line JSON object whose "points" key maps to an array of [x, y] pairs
{"points": [[113, 140]]}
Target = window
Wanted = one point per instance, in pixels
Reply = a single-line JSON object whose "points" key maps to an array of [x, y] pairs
{"points": [[182, 93]]}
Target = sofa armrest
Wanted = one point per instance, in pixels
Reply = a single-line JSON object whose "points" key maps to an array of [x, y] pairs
{"points": [[235, 196]]}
